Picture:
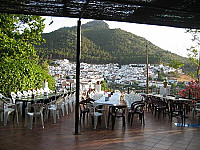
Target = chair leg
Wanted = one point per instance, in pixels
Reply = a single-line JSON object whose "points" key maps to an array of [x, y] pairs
{"points": [[5, 118], [58, 114], [42, 120], [20, 108], [66, 108], [129, 115], [17, 117], [83, 117], [80, 116], [71, 106], [95, 122], [123, 121], [2, 116], [63, 110], [31, 120], [113, 122], [54, 116], [193, 113], [132, 115], [143, 118]]}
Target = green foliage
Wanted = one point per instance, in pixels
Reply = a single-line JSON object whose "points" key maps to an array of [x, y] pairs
{"points": [[175, 64], [160, 76], [18, 33], [18, 65], [45, 65], [181, 85], [104, 86], [136, 83], [150, 78], [22, 74], [173, 85], [67, 77], [153, 87], [194, 51]]}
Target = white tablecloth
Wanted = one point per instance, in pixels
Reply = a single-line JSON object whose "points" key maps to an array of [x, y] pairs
{"points": [[113, 100]]}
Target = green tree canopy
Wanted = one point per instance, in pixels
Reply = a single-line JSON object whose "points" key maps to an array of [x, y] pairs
{"points": [[19, 68], [194, 52]]}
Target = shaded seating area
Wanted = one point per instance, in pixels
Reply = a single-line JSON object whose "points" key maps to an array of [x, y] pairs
{"points": [[33, 106]]}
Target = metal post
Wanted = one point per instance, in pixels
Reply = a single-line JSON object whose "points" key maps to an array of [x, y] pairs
{"points": [[77, 76], [147, 63]]}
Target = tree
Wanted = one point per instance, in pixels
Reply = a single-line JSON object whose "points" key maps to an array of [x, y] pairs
{"points": [[150, 77], [18, 34], [103, 85], [175, 64], [194, 52], [19, 68], [160, 76]]}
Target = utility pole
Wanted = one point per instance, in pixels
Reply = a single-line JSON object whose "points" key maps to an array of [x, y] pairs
{"points": [[147, 63]]}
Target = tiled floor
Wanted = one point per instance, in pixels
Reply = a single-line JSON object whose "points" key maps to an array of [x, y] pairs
{"points": [[155, 135]]}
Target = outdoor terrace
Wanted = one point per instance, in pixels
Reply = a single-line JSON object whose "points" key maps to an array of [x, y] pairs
{"points": [[155, 135]]}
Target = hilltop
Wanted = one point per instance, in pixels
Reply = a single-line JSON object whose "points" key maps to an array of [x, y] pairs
{"points": [[100, 45]]}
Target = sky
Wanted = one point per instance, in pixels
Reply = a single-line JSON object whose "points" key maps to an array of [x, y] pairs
{"points": [[175, 40]]}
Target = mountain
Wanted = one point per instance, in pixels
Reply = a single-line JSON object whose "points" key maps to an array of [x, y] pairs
{"points": [[100, 44]]}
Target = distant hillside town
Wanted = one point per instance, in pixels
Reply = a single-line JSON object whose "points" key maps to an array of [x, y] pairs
{"points": [[65, 74]]}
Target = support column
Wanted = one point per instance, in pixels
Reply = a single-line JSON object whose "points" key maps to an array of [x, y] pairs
{"points": [[77, 76]]}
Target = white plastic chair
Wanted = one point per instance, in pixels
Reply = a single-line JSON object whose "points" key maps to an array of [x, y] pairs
{"points": [[128, 99], [66, 104], [25, 93], [14, 96], [38, 92], [94, 111], [37, 111], [30, 93], [19, 94], [6, 109], [71, 101], [55, 107]]}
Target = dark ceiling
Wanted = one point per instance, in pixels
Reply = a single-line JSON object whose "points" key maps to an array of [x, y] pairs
{"points": [[175, 13]]}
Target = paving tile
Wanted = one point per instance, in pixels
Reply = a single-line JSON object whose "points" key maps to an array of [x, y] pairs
{"points": [[181, 145], [192, 148], [161, 146], [168, 143], [146, 143], [155, 135], [143, 147], [152, 140], [175, 148]]}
